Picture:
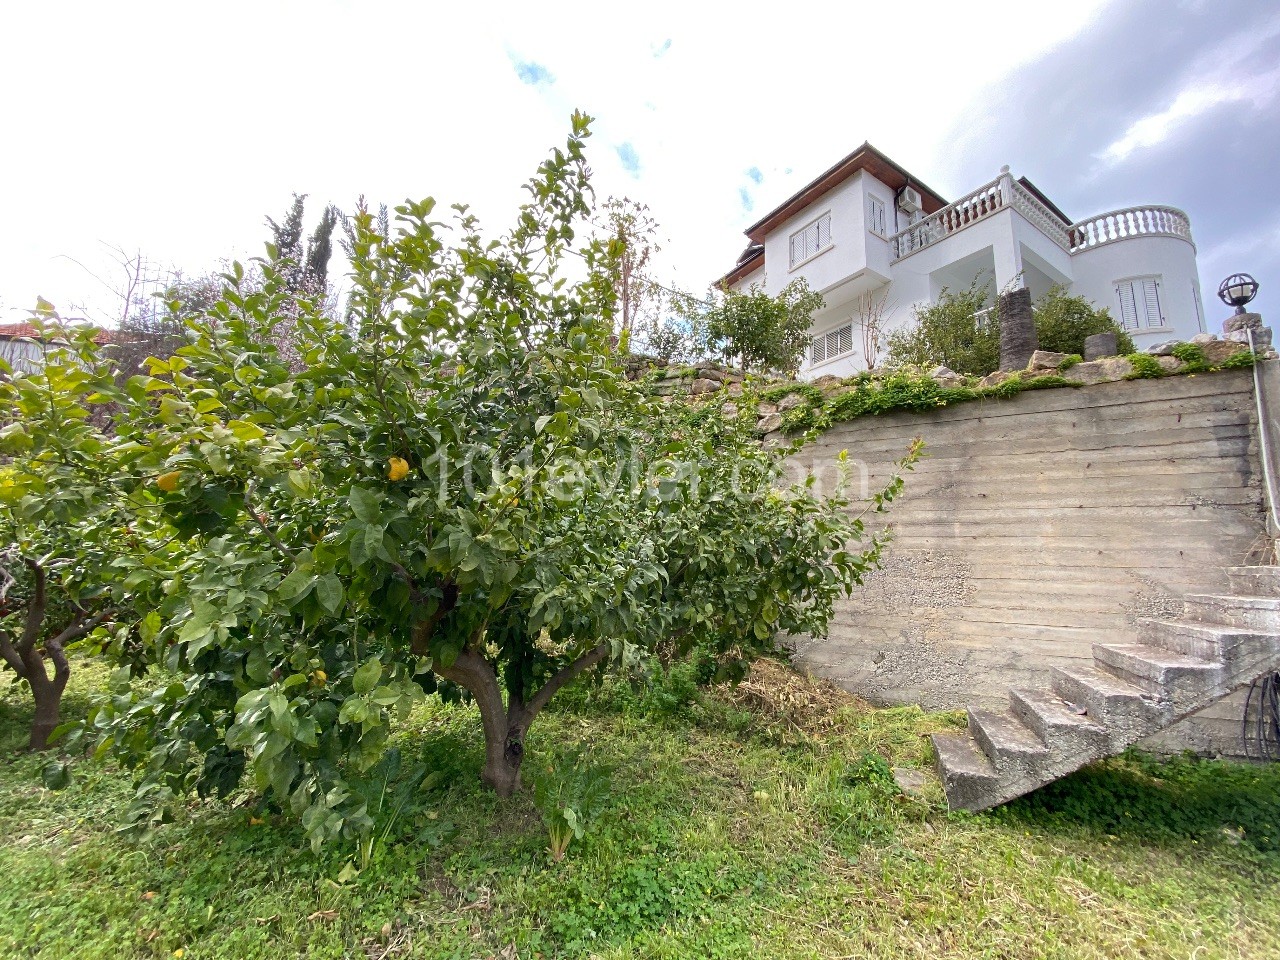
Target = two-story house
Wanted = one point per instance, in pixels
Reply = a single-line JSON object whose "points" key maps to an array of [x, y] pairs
{"points": [[867, 231]]}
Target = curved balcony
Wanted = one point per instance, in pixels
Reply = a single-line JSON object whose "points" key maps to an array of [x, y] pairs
{"points": [[1126, 224]]}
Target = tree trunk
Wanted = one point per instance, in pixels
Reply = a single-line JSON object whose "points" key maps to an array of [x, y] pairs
{"points": [[48, 706], [503, 757], [505, 725], [46, 692]]}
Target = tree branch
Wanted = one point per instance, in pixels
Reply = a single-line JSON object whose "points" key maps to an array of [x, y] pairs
{"points": [[564, 675], [270, 534], [10, 654], [35, 609]]}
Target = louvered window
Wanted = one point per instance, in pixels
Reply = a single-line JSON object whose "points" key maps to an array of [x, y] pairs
{"points": [[1140, 303], [809, 241], [835, 343], [876, 221]]}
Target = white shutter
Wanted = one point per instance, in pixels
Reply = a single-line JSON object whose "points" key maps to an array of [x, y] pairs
{"points": [[875, 219], [845, 338], [824, 232], [797, 249], [819, 349], [1151, 299], [1128, 306]]}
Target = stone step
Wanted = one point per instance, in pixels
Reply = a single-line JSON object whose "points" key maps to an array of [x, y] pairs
{"points": [[1256, 612], [967, 775], [1218, 642], [1255, 581], [1127, 712], [1005, 740], [1062, 726], [1163, 674]]}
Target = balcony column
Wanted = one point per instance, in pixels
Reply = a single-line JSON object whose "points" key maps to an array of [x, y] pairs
{"points": [[1006, 250]]}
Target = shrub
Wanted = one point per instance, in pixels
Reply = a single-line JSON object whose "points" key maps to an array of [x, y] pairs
{"points": [[1064, 321], [1145, 367], [947, 333]]}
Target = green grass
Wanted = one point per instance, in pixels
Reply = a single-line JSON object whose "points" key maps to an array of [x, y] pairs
{"points": [[734, 830]]}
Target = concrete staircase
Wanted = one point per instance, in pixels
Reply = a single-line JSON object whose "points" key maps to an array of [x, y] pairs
{"points": [[1129, 692]]}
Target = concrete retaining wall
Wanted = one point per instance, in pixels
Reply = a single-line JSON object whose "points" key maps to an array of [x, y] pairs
{"points": [[1039, 525]]}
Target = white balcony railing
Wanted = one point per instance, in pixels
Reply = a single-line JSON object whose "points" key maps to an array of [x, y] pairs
{"points": [[1130, 222], [954, 217], [1004, 191]]}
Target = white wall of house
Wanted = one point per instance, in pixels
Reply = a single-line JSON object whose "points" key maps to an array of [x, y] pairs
{"points": [[1108, 273]]}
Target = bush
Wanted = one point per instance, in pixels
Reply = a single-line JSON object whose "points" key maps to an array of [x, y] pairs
{"points": [[1063, 322], [948, 333]]}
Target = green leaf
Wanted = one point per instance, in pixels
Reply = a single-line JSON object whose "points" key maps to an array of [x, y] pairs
{"points": [[367, 676], [329, 592], [56, 775], [296, 585], [365, 504], [245, 431]]}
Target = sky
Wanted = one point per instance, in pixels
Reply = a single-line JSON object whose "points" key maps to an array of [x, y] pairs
{"points": [[174, 129]]}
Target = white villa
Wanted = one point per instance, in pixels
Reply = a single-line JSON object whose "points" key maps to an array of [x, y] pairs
{"points": [[867, 230]]}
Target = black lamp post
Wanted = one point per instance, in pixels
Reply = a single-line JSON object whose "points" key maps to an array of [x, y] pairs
{"points": [[1237, 290]]}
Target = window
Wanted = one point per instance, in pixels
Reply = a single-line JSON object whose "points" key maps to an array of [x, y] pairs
{"points": [[875, 216], [828, 346], [811, 240], [1140, 303]]}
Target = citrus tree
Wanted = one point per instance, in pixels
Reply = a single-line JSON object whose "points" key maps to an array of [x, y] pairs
{"points": [[67, 528], [764, 333], [457, 492]]}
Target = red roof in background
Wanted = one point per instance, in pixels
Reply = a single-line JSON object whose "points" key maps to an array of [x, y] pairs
{"points": [[17, 331]]}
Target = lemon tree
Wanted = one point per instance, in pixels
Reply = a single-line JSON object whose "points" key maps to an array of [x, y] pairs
{"points": [[456, 492], [71, 538]]}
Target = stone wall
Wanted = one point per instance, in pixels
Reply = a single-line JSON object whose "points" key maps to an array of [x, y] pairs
{"points": [[1038, 525]]}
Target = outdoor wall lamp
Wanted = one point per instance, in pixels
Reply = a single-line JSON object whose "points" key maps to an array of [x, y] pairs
{"points": [[1237, 290]]}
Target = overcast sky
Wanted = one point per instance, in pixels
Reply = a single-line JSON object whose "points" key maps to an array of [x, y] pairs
{"points": [[174, 128]]}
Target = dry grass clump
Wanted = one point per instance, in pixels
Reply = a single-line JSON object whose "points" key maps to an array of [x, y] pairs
{"points": [[780, 694]]}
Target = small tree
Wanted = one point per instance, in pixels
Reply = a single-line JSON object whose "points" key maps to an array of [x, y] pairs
{"points": [[1063, 322], [765, 333], [630, 234], [61, 515], [464, 493], [868, 317]]}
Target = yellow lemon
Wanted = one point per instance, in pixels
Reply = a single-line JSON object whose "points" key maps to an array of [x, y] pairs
{"points": [[319, 678], [168, 482], [397, 468]]}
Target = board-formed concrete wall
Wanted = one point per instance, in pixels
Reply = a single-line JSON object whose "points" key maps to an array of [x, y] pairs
{"points": [[1039, 525]]}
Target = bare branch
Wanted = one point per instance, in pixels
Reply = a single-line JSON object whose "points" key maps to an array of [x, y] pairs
{"points": [[566, 674]]}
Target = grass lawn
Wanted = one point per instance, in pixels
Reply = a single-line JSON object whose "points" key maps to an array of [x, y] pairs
{"points": [[759, 823]]}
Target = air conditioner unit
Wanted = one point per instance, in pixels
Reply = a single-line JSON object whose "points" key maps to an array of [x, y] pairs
{"points": [[909, 199]]}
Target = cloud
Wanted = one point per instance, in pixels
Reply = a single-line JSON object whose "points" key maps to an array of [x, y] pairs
{"points": [[629, 158], [1188, 123], [744, 195], [534, 74], [755, 175]]}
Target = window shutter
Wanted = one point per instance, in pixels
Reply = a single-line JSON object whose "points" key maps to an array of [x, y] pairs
{"points": [[1151, 297], [845, 338], [797, 249], [1128, 306], [876, 218], [819, 349], [824, 232]]}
